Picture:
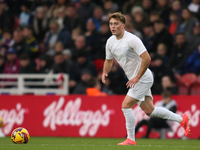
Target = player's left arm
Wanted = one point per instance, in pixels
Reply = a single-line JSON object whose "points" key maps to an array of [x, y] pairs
{"points": [[146, 59]]}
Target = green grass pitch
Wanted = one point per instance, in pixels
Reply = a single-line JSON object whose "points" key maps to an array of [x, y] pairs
{"points": [[64, 143]]}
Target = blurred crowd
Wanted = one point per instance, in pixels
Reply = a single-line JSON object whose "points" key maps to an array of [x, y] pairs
{"points": [[69, 36]]}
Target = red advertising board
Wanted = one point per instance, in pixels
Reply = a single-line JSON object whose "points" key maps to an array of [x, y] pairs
{"points": [[84, 116]]}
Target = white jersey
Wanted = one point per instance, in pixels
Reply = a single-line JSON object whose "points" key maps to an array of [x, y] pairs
{"points": [[126, 52]]}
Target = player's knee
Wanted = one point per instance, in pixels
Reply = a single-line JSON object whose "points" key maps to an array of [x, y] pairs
{"points": [[127, 104], [148, 111]]}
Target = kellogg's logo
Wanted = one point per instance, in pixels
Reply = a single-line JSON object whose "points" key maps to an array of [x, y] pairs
{"points": [[11, 117], [88, 120]]}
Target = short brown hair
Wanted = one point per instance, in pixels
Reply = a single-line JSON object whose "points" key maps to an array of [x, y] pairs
{"points": [[166, 94], [118, 16], [24, 57], [92, 82]]}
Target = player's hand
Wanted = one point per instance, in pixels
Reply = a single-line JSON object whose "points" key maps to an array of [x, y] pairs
{"points": [[131, 83], [103, 77]]}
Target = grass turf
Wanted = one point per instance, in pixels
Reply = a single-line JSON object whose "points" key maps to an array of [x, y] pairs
{"points": [[62, 143]]}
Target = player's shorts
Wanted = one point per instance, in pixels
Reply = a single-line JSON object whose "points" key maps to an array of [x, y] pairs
{"points": [[140, 90]]}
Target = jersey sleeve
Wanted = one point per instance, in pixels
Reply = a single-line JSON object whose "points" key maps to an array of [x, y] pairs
{"points": [[136, 44], [108, 53]]}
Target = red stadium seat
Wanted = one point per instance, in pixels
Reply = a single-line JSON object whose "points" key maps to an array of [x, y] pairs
{"points": [[178, 78], [188, 79], [182, 89], [185, 82], [195, 89], [99, 64]]}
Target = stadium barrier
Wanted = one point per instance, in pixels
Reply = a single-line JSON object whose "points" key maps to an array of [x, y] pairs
{"points": [[84, 116], [38, 84]]}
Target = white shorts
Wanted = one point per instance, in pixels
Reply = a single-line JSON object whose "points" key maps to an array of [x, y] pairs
{"points": [[140, 90]]}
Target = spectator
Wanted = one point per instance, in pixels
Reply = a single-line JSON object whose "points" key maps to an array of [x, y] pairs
{"points": [[67, 54], [130, 28], [63, 66], [98, 17], [117, 74], [46, 4], [72, 20], [159, 69], [3, 50], [162, 51], [179, 53], [26, 15], [173, 16], [59, 47], [148, 6], [12, 64], [127, 7], [2, 64], [154, 16], [61, 16], [85, 10], [82, 64], [53, 10], [149, 37], [194, 38], [128, 18], [91, 34], [7, 37], [193, 62], [82, 86], [75, 33], [31, 46], [92, 44], [4, 4], [169, 84], [186, 23], [139, 18], [26, 66], [80, 47], [40, 23], [5, 21], [98, 51], [94, 87], [109, 7], [162, 35], [0, 36], [194, 7], [45, 64], [163, 10], [176, 7], [159, 123], [19, 42], [54, 35]]}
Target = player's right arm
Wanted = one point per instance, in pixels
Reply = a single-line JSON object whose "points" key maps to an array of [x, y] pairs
{"points": [[106, 69], [108, 62]]}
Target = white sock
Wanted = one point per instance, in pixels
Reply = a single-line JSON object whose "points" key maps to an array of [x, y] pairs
{"points": [[130, 122], [166, 114]]}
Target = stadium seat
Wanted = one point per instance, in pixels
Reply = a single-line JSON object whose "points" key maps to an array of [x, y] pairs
{"points": [[188, 79], [99, 64], [178, 78], [185, 82], [195, 89], [182, 89]]}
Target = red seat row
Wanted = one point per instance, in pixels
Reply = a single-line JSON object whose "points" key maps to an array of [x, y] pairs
{"points": [[189, 83]]}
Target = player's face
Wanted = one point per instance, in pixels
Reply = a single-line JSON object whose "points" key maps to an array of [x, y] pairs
{"points": [[116, 26]]}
